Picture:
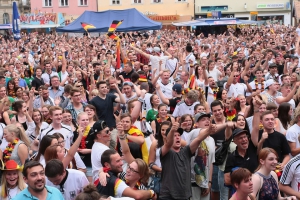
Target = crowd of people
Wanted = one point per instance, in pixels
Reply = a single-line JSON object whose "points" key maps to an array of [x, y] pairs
{"points": [[183, 115]]}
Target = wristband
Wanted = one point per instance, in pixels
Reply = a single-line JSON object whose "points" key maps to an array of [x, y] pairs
{"points": [[123, 137], [152, 193]]}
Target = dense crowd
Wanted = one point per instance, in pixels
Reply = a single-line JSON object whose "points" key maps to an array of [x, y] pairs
{"points": [[183, 115]]}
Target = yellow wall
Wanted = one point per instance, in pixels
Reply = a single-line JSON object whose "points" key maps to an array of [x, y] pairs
{"points": [[166, 7]]}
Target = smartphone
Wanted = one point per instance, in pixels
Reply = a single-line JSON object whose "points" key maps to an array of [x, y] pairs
{"points": [[117, 113]]}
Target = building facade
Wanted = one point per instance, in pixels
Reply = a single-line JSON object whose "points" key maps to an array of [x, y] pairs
{"points": [[70, 8], [165, 11], [6, 9], [268, 11]]}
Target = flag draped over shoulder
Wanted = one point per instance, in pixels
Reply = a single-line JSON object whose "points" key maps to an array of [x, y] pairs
{"points": [[87, 26], [134, 131]]}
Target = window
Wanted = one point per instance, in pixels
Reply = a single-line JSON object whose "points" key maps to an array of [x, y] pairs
{"points": [[115, 2], [83, 2], [64, 2], [156, 1], [48, 3], [137, 1], [6, 18]]}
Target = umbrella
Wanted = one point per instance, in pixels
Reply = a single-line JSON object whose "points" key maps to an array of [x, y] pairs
{"points": [[16, 22]]}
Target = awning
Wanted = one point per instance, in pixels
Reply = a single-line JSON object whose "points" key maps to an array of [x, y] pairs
{"points": [[215, 22], [191, 23], [5, 26], [31, 26]]}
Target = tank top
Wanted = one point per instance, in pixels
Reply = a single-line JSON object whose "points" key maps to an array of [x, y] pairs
{"points": [[23, 124], [269, 189], [14, 155], [157, 158]]}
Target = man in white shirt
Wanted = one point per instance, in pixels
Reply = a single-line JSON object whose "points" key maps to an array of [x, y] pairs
{"points": [[187, 105], [189, 58], [292, 134], [164, 82], [171, 62], [234, 87], [48, 73], [70, 182], [57, 127], [102, 137]]}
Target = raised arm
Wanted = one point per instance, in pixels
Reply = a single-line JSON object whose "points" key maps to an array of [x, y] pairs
{"points": [[124, 144], [256, 119], [170, 139]]}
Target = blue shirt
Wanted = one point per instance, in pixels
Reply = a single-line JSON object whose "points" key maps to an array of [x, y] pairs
{"points": [[52, 194], [59, 92]]}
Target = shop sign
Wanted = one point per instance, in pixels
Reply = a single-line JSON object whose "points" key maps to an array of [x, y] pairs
{"points": [[164, 17], [270, 5], [225, 22]]}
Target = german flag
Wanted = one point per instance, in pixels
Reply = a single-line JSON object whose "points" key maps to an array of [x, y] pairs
{"points": [[118, 54], [87, 26], [114, 25], [112, 36]]}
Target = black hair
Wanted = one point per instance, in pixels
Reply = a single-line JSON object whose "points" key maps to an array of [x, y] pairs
{"points": [[54, 168], [105, 158], [216, 103], [46, 142], [30, 165]]}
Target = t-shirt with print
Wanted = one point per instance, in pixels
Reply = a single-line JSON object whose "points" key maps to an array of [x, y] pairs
{"points": [[291, 174], [73, 185]]}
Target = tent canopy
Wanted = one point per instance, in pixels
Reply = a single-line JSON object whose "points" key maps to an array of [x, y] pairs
{"points": [[133, 21], [215, 22]]}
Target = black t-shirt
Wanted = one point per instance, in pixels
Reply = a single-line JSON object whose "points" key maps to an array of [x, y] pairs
{"points": [[36, 82], [173, 102], [280, 69], [219, 137], [105, 109], [89, 141], [250, 161], [278, 142], [126, 76]]}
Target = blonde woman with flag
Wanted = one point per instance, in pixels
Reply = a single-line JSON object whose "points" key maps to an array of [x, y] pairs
{"points": [[12, 180]]}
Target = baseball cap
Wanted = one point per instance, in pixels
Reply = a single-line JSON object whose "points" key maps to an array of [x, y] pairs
{"points": [[156, 49], [128, 83], [179, 130], [177, 88], [268, 83], [272, 65], [198, 116], [98, 126], [238, 131]]}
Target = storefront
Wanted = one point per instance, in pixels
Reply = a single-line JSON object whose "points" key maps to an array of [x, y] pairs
{"points": [[167, 20]]}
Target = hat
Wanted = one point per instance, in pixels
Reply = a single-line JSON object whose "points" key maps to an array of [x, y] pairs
{"points": [[143, 78], [128, 83], [12, 165], [268, 83], [198, 116], [238, 131], [98, 126], [179, 130], [156, 49], [177, 88]]}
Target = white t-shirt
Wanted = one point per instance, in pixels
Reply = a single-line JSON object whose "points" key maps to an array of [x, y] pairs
{"points": [[202, 160], [11, 193], [298, 31], [46, 76], [171, 64], [215, 73], [155, 62], [249, 122], [166, 89], [292, 134], [147, 105], [97, 151], [253, 86], [236, 89], [189, 57], [4, 142], [291, 174], [292, 102], [182, 108], [73, 185], [65, 130]]}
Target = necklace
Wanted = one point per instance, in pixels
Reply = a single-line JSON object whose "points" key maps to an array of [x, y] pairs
{"points": [[9, 149], [215, 91], [261, 84], [83, 140]]}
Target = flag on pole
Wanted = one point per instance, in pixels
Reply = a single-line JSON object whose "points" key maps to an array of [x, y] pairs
{"points": [[114, 25], [16, 22], [86, 26], [118, 54], [112, 36]]}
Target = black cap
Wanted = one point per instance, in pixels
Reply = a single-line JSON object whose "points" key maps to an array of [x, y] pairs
{"points": [[179, 130], [98, 126], [198, 116], [238, 131]]}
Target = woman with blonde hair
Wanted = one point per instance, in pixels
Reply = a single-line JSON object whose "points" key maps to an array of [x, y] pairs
{"points": [[18, 143], [91, 112], [12, 181]]}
